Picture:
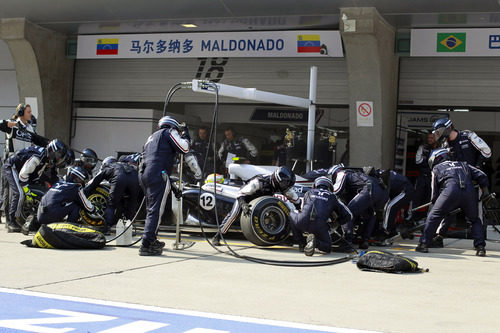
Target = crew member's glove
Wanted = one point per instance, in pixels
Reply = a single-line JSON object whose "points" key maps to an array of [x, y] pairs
{"points": [[185, 133], [94, 215], [486, 193], [488, 199], [26, 190], [177, 192]]}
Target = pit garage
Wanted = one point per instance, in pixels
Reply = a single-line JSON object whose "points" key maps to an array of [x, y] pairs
{"points": [[130, 94], [465, 89]]}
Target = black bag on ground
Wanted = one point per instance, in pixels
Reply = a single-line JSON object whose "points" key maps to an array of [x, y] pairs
{"points": [[383, 261], [67, 236]]}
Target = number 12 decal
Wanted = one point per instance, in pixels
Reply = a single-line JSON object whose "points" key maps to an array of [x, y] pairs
{"points": [[207, 201]]}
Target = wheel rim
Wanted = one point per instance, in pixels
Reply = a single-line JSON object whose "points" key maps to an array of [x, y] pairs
{"points": [[273, 220], [29, 207], [99, 201]]}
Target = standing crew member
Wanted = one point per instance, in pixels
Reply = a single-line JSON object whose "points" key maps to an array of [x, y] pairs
{"points": [[157, 161], [452, 188], [464, 146], [19, 134], [235, 147], [423, 182], [281, 180], [203, 150], [319, 205]]}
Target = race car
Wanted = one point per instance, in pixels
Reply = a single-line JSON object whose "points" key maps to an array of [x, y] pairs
{"points": [[267, 223]]}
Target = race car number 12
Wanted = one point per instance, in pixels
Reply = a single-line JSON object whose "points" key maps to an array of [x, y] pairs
{"points": [[207, 201]]}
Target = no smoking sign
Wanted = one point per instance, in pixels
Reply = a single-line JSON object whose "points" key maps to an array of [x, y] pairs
{"points": [[364, 113], [365, 109]]}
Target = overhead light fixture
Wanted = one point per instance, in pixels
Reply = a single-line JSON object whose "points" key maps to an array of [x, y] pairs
{"points": [[461, 110], [189, 25]]}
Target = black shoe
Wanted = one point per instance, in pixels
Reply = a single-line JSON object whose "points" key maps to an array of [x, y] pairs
{"points": [[106, 231], [422, 248], [154, 249], [364, 245], [26, 229], [480, 251], [310, 245], [12, 227], [216, 240], [437, 242], [158, 244]]}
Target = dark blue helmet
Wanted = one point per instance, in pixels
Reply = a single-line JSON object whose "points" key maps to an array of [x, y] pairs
{"points": [[442, 129], [324, 183], [56, 152], [76, 175], [108, 161], [89, 158], [70, 157], [437, 156], [283, 179], [332, 172]]}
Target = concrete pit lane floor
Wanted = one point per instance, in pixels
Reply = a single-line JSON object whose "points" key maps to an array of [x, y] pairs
{"points": [[460, 293]]}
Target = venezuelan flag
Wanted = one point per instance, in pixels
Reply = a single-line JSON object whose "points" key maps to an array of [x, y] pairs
{"points": [[308, 43], [107, 46]]}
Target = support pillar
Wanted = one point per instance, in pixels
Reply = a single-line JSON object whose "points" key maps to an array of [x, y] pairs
{"points": [[372, 75], [42, 71]]}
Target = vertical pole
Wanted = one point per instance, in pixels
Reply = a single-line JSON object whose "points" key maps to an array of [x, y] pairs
{"points": [[179, 206], [311, 120]]}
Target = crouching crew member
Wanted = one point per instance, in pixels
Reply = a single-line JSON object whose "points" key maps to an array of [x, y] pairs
{"points": [[364, 195], [452, 188], [319, 205], [281, 180], [87, 161], [27, 165], [157, 161], [65, 198], [123, 179]]}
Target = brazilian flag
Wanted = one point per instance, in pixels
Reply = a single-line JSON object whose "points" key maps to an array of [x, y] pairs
{"points": [[451, 42]]}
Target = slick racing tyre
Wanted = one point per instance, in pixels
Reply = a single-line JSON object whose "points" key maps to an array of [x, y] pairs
{"points": [[267, 224], [99, 198]]}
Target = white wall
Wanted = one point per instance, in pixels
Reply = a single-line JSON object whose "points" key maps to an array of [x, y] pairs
{"points": [[108, 131], [9, 94]]}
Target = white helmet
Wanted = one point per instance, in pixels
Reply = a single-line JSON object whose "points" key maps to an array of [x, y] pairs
{"points": [[168, 121]]}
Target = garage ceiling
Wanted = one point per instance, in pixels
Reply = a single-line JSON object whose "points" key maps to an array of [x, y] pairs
{"points": [[125, 16]]}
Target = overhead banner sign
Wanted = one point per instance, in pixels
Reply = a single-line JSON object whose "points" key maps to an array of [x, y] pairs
{"points": [[225, 44], [455, 42]]}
